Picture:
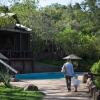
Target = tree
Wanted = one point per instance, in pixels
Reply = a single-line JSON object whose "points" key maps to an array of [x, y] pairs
{"points": [[67, 42], [62, 29], [5, 20]]}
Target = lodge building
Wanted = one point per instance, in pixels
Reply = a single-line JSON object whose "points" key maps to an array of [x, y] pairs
{"points": [[15, 45]]}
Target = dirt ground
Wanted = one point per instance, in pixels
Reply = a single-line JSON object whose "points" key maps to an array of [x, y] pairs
{"points": [[55, 89]]}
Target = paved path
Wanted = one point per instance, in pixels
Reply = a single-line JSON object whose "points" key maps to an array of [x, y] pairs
{"points": [[55, 89]]}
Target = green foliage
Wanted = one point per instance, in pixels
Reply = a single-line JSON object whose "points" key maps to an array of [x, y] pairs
{"points": [[96, 70], [5, 20], [60, 30], [68, 43], [5, 77]]}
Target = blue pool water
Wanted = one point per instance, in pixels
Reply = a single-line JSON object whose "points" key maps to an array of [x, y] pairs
{"points": [[47, 75]]}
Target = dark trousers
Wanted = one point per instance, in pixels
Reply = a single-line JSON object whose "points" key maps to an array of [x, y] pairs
{"points": [[68, 82]]}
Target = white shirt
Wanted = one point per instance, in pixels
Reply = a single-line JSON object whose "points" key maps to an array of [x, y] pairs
{"points": [[75, 82], [68, 69]]}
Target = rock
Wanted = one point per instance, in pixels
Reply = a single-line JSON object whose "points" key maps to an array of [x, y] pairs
{"points": [[30, 87], [14, 80]]}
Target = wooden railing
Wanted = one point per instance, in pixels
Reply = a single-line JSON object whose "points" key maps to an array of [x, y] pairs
{"points": [[17, 53]]}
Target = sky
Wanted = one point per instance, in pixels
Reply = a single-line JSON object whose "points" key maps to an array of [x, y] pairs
{"points": [[43, 3]]}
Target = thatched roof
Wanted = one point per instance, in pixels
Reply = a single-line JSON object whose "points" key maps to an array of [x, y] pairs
{"points": [[72, 56], [15, 27], [18, 28]]}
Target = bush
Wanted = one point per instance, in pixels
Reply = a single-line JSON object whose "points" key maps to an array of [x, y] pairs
{"points": [[5, 77], [96, 70]]}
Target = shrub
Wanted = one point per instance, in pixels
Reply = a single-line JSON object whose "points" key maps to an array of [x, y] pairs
{"points": [[95, 69], [5, 77]]}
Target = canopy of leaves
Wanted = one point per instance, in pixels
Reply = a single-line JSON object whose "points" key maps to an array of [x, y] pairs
{"points": [[60, 30]]}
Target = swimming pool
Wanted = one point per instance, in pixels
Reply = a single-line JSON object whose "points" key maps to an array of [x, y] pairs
{"points": [[46, 75]]}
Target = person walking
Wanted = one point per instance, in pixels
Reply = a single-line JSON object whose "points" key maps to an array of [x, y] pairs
{"points": [[68, 71]]}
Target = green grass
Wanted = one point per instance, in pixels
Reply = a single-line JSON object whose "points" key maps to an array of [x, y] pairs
{"points": [[19, 94]]}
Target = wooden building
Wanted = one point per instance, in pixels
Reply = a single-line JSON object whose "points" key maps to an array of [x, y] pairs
{"points": [[15, 45]]}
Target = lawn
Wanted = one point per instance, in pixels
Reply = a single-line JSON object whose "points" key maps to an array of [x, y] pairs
{"points": [[18, 94]]}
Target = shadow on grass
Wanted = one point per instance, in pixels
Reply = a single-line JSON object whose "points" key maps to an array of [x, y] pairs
{"points": [[19, 94], [14, 97]]}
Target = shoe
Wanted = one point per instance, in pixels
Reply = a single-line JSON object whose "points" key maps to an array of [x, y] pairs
{"points": [[75, 91], [69, 90]]}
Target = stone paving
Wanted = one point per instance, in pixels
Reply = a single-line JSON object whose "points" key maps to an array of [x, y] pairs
{"points": [[55, 89]]}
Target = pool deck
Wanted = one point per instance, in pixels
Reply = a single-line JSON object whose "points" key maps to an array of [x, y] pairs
{"points": [[55, 89]]}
